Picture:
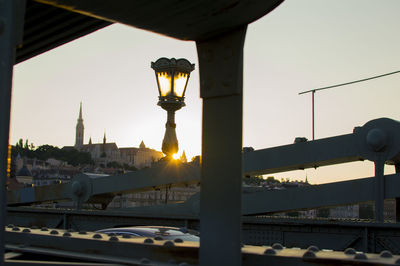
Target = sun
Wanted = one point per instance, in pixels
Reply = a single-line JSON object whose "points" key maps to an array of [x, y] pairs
{"points": [[175, 156]]}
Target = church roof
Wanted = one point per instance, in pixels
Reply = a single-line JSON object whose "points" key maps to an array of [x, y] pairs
{"points": [[108, 146], [24, 171]]}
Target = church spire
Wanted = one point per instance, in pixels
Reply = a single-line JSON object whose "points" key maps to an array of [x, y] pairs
{"points": [[183, 157], [79, 130], [104, 138], [80, 112]]}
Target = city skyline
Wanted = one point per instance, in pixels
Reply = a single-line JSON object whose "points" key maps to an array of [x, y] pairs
{"points": [[297, 47]]}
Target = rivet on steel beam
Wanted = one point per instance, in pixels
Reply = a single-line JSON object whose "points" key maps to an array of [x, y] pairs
{"points": [[113, 238], [15, 228], [386, 254], [67, 234], [10, 226], [44, 229], [148, 241], [158, 238], [350, 251], [277, 246], [26, 230], [309, 254], [360, 256], [97, 236], [313, 248], [82, 232], [53, 232], [178, 240], [145, 261], [126, 236], [269, 251], [169, 244]]}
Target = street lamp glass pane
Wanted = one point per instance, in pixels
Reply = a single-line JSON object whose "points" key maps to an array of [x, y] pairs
{"points": [[180, 83], [164, 83]]}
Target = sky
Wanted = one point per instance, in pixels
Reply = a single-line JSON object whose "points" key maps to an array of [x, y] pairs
{"points": [[301, 45]]}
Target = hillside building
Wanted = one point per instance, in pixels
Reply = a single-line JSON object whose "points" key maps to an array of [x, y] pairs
{"points": [[106, 152]]}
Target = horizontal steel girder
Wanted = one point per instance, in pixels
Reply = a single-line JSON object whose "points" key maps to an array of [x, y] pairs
{"points": [[186, 20], [83, 187], [85, 246], [333, 194], [328, 151]]}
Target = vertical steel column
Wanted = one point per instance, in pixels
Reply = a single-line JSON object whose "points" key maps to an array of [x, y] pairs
{"points": [[397, 168], [379, 189], [11, 21], [6, 66], [221, 87], [313, 115]]}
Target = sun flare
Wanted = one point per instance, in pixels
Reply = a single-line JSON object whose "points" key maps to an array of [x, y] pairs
{"points": [[175, 156]]}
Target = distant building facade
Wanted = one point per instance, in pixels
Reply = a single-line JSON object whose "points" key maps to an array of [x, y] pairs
{"points": [[104, 153]]}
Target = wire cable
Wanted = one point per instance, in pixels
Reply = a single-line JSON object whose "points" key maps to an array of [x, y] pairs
{"points": [[348, 83]]}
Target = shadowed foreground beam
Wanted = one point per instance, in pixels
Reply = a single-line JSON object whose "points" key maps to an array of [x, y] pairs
{"points": [[11, 21], [185, 20]]}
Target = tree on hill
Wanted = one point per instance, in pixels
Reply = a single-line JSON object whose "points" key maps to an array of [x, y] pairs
{"points": [[253, 180], [44, 152]]}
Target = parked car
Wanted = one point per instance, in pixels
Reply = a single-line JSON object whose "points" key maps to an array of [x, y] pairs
{"points": [[156, 232]]}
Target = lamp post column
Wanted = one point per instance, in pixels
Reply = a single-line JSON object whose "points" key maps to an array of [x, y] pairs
{"points": [[170, 141]]}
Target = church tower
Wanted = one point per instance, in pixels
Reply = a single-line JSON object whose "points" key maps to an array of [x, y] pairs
{"points": [[79, 130]]}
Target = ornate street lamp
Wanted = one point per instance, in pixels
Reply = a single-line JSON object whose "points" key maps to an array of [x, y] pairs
{"points": [[172, 78]]}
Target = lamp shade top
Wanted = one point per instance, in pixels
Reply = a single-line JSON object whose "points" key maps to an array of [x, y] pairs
{"points": [[177, 65]]}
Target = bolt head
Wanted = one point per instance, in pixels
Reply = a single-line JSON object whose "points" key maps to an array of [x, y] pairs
{"points": [[313, 248], [350, 251], [376, 139], [169, 244], [309, 254], [148, 241], [113, 238], [77, 188], [269, 251], [97, 236], [386, 254], [277, 246]]}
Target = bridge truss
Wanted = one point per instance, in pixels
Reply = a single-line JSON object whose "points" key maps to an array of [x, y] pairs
{"points": [[234, 231]]}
